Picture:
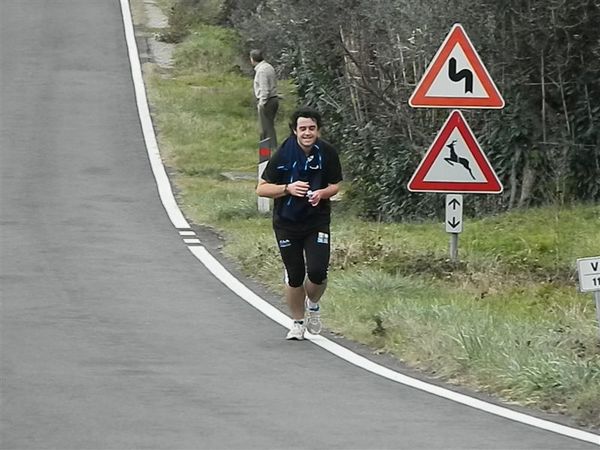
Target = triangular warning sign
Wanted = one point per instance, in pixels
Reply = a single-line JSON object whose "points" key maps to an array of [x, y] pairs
{"points": [[455, 163], [456, 78]]}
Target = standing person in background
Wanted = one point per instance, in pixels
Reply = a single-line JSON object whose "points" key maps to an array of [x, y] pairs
{"points": [[265, 91], [302, 175]]}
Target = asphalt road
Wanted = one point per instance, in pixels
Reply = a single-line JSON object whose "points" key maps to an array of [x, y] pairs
{"points": [[113, 336]]}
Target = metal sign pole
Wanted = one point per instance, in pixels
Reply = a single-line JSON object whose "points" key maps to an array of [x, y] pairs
{"points": [[453, 247], [597, 298]]}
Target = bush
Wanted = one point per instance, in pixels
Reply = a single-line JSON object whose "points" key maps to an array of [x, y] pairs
{"points": [[360, 68]]}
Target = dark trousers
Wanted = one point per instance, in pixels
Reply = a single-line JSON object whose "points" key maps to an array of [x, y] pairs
{"points": [[266, 117], [306, 254]]}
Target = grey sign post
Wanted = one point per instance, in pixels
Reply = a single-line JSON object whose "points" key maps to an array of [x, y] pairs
{"points": [[589, 280]]}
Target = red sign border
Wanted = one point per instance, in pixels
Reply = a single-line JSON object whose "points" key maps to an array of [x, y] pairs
{"points": [[457, 35], [417, 182]]}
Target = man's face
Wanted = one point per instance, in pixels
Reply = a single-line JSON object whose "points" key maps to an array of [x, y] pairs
{"points": [[306, 132]]}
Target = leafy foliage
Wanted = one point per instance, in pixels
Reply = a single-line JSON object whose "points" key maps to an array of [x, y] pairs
{"points": [[186, 14], [358, 61]]}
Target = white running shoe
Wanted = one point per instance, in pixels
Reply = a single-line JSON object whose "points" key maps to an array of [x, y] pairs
{"points": [[313, 317], [297, 331]]}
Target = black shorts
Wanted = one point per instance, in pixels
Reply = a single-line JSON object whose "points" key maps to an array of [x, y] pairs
{"points": [[305, 252]]}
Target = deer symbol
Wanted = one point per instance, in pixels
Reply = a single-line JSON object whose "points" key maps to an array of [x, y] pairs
{"points": [[454, 158]]}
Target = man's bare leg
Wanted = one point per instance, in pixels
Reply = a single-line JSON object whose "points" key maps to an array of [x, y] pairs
{"points": [[295, 300], [314, 291]]}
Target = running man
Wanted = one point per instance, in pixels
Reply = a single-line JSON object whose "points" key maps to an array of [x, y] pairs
{"points": [[302, 175]]}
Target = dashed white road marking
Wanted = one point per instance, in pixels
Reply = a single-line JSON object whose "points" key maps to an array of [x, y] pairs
{"points": [[176, 216]]}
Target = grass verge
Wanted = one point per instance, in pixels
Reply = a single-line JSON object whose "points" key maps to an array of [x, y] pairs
{"points": [[506, 320]]}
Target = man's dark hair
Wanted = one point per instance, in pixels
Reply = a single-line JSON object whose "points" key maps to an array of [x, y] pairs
{"points": [[307, 112], [256, 55]]}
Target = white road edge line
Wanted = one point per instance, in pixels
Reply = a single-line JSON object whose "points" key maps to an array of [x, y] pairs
{"points": [[176, 216], [158, 169]]}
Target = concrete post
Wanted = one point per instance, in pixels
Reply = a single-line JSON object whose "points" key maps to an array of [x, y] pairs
{"points": [[264, 153]]}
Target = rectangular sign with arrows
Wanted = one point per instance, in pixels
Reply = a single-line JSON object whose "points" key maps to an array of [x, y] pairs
{"points": [[454, 209]]}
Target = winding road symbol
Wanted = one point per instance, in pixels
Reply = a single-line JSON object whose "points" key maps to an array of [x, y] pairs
{"points": [[456, 77], [464, 74]]}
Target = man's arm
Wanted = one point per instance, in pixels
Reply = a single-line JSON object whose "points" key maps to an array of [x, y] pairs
{"points": [[271, 190]]}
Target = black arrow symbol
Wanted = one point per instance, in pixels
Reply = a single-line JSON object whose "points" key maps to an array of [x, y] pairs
{"points": [[454, 222], [454, 203], [465, 74]]}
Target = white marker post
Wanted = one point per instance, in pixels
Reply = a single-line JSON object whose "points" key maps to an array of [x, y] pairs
{"points": [[454, 222], [589, 280], [264, 153]]}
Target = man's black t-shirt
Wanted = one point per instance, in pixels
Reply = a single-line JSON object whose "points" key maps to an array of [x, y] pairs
{"points": [[321, 167]]}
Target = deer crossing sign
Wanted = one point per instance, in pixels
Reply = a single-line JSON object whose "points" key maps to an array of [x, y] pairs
{"points": [[455, 163]]}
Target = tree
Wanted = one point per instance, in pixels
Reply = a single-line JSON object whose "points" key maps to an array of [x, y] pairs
{"points": [[358, 61]]}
